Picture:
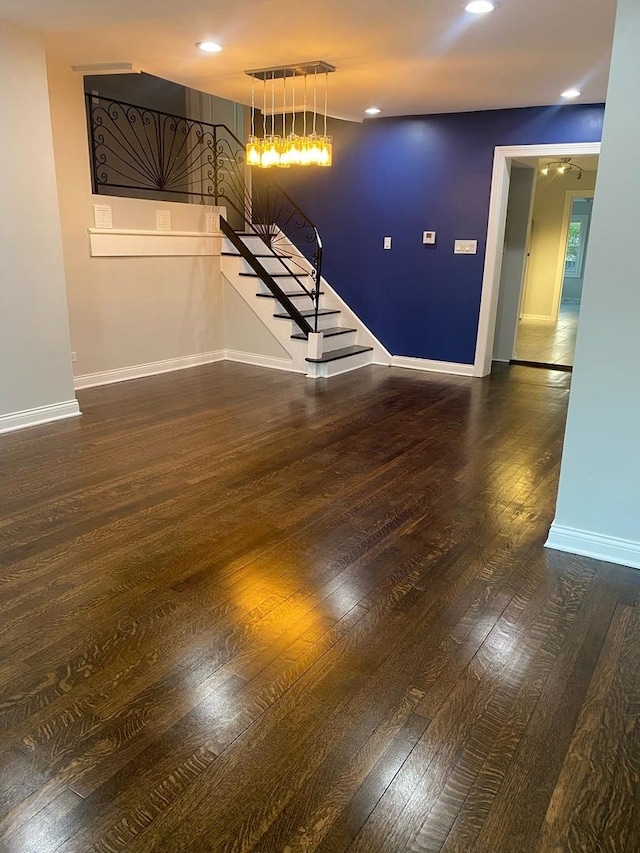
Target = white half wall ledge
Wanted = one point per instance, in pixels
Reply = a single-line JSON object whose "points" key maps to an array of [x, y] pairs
{"points": [[41, 415], [429, 366], [113, 243], [140, 371], [597, 546]]}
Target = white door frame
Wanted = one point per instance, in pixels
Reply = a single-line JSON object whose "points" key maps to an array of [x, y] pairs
{"points": [[503, 157], [569, 198]]}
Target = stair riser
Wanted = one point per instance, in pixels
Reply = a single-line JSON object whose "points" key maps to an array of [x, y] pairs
{"points": [[272, 265], [301, 301], [324, 322], [288, 284], [255, 244], [343, 365], [338, 342]]}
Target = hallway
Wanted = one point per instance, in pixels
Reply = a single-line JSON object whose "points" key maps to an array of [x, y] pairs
{"points": [[549, 343]]}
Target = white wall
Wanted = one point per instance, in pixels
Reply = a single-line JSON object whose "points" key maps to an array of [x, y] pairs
{"points": [[598, 510], [35, 363], [131, 316], [208, 108], [546, 242], [245, 332], [126, 312], [513, 261]]}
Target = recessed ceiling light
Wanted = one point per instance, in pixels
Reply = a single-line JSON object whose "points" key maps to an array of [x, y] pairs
{"points": [[480, 7], [209, 46], [373, 111], [571, 93]]}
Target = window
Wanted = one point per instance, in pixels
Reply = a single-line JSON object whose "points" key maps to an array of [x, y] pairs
{"points": [[576, 241]]}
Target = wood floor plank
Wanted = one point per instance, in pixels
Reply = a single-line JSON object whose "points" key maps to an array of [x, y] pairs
{"points": [[596, 792], [244, 612], [522, 728], [471, 717]]}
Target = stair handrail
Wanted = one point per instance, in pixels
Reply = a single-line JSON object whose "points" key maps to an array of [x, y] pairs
{"points": [[138, 148], [316, 262], [265, 276]]}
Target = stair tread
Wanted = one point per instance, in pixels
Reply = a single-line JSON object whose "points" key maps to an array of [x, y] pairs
{"points": [[277, 275], [327, 333], [310, 313], [268, 255], [336, 354], [290, 293]]}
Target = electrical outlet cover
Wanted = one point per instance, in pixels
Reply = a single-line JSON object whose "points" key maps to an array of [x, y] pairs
{"points": [[465, 247], [102, 216], [163, 220]]}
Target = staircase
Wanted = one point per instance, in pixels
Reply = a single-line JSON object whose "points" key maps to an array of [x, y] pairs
{"points": [[275, 264], [304, 314]]}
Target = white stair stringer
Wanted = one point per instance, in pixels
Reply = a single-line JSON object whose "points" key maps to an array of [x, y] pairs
{"points": [[332, 350], [332, 299], [232, 266]]}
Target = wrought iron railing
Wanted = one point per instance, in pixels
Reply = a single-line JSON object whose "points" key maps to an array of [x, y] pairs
{"points": [[151, 154]]}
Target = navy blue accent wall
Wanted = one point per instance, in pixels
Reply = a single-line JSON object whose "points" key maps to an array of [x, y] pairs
{"points": [[399, 177]]}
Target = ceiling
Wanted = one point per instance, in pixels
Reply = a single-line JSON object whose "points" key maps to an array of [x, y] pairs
{"points": [[406, 57], [588, 162]]}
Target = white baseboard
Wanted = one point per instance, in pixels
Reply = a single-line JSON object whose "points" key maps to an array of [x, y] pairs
{"points": [[426, 364], [40, 415], [260, 360], [139, 371], [608, 548], [538, 318]]}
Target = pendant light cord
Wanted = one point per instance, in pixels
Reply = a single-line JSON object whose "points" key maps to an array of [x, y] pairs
{"points": [[315, 98], [293, 106], [253, 106], [284, 105], [273, 104], [304, 122], [264, 107], [326, 99]]}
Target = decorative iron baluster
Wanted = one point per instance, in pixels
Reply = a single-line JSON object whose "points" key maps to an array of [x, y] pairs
{"points": [[159, 155]]}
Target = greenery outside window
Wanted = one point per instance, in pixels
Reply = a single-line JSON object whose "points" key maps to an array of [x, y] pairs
{"points": [[576, 242]]}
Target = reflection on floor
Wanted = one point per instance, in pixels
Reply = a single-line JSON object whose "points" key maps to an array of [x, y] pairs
{"points": [[549, 343]]}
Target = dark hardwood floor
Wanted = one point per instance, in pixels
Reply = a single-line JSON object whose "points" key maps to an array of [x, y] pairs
{"points": [[243, 611]]}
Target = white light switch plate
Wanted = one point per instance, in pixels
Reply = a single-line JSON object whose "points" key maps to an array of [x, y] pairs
{"points": [[163, 220], [102, 216], [465, 247], [212, 222], [387, 242], [428, 238]]}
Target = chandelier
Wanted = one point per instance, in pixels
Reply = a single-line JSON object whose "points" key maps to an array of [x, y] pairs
{"points": [[287, 148], [562, 167]]}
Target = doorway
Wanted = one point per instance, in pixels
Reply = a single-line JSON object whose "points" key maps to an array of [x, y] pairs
{"points": [[508, 163], [552, 284]]}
